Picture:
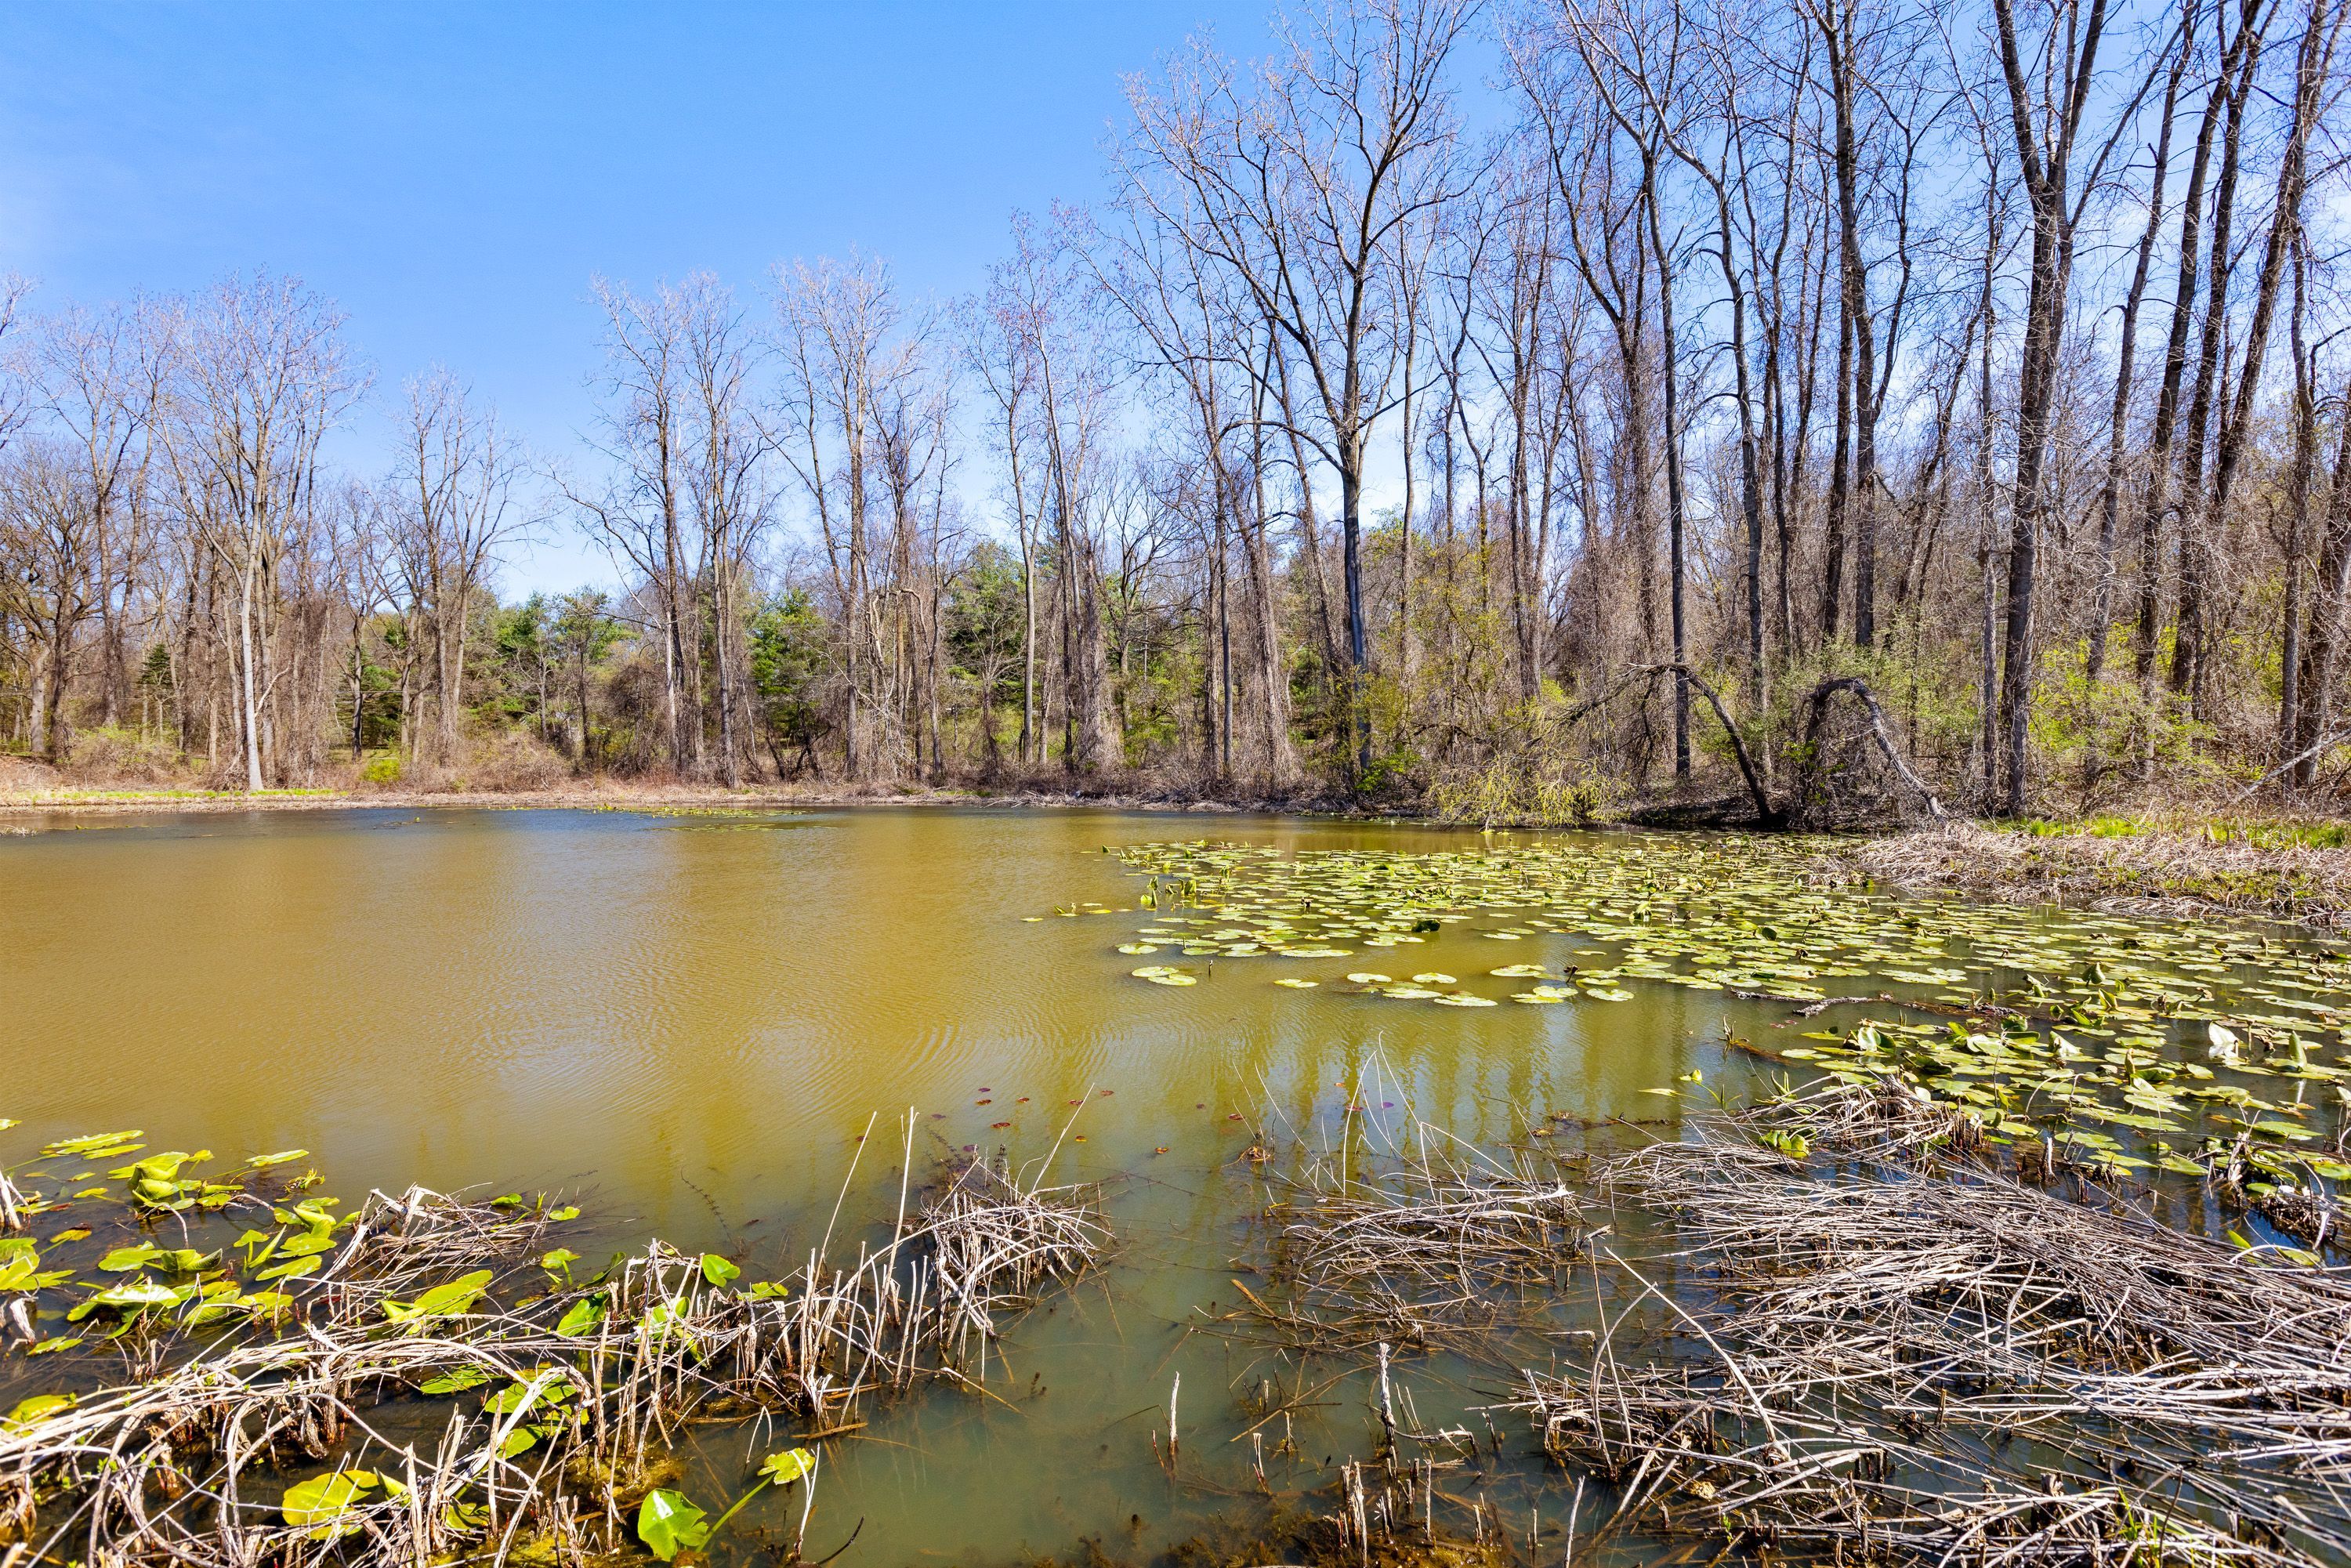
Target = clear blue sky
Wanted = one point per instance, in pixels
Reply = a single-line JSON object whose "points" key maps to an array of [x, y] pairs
{"points": [[451, 175]]}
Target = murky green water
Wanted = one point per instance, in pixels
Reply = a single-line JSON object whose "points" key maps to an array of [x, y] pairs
{"points": [[698, 1024]]}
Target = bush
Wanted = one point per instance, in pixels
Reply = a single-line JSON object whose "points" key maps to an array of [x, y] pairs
{"points": [[514, 760], [116, 755], [383, 768]]}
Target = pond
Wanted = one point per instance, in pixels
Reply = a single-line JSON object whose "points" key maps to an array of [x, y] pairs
{"points": [[728, 1032]]}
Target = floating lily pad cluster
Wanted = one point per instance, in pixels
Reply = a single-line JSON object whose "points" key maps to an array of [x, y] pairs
{"points": [[2135, 1043], [130, 1280]]}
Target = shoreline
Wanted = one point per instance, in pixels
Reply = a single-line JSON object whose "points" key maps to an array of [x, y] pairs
{"points": [[2167, 871], [2164, 872], [164, 802]]}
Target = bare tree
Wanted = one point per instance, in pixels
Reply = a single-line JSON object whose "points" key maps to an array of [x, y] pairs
{"points": [[453, 508], [261, 377], [1299, 184]]}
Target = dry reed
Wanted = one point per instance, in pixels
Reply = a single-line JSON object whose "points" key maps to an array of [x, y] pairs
{"points": [[1900, 1352], [185, 1466]]}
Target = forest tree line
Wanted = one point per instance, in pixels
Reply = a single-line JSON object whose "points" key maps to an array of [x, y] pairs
{"points": [[1517, 406]]}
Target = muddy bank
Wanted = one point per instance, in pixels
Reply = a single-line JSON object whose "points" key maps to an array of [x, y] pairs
{"points": [[2181, 870], [656, 797]]}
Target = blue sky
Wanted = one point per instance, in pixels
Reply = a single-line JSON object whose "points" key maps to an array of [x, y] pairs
{"points": [[453, 174]]}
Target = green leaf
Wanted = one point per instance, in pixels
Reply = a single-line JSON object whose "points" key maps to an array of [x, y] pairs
{"points": [[567, 1212], [718, 1271], [668, 1524], [466, 1518], [325, 1502], [135, 1296], [179, 1261], [782, 1470], [28, 1412], [518, 1397], [263, 1162], [24, 1273], [157, 1167], [448, 1301], [581, 1320], [293, 1269], [454, 1382], [93, 1146]]}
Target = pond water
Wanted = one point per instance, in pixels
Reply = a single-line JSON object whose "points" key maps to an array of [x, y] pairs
{"points": [[691, 1021], [707, 1028]]}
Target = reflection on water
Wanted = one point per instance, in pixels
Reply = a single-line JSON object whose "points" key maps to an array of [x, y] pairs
{"points": [[696, 1027]]}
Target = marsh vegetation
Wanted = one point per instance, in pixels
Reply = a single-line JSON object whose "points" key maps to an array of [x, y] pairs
{"points": [[1671, 1197]]}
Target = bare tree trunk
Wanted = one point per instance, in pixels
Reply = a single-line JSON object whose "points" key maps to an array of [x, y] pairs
{"points": [[2330, 606], [2118, 423], [2195, 545]]}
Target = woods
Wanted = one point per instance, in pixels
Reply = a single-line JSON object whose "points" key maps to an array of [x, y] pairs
{"points": [[1531, 408]]}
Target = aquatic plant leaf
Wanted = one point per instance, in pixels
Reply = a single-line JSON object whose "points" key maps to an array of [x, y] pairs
{"points": [[549, 1388], [668, 1524], [325, 1502], [26, 1413], [456, 1381], [23, 1272], [263, 1162], [452, 1299], [718, 1271], [782, 1470], [466, 1518], [581, 1318], [93, 1146], [135, 1296]]}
